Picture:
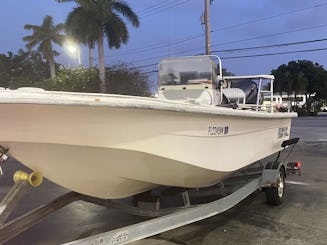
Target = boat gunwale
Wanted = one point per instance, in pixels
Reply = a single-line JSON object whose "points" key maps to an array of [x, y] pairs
{"points": [[127, 102]]}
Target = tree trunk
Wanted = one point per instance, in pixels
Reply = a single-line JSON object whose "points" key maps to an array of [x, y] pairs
{"points": [[52, 68], [295, 101], [307, 106], [52, 62], [90, 56], [102, 75]]}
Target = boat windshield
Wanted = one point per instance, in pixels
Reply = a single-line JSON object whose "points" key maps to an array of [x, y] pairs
{"points": [[187, 70]]}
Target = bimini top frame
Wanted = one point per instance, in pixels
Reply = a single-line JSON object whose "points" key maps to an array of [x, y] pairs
{"points": [[259, 78]]}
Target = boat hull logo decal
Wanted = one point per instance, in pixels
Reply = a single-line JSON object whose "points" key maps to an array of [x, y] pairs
{"points": [[283, 132], [120, 237]]}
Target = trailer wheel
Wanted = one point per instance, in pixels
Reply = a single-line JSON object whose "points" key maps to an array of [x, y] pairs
{"points": [[275, 195]]}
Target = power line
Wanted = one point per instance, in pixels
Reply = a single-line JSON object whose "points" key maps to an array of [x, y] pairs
{"points": [[169, 5], [258, 37], [275, 34], [164, 44], [258, 55], [148, 72], [250, 39], [155, 46], [271, 17], [250, 56], [150, 8], [252, 48], [144, 66], [271, 54], [271, 46], [231, 42]]}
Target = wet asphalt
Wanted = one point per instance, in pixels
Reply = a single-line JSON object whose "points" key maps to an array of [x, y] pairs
{"points": [[301, 219]]}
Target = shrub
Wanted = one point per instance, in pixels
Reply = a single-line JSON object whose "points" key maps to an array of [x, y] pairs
{"points": [[74, 80]]}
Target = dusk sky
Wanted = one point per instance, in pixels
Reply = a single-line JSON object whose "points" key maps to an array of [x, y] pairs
{"points": [[173, 28]]}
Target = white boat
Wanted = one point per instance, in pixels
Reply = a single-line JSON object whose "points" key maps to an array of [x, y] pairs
{"points": [[114, 146]]}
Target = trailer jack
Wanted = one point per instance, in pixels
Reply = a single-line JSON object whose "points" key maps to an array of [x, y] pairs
{"points": [[22, 181]]}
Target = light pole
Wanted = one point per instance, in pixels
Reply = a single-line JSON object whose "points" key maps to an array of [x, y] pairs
{"points": [[73, 50]]}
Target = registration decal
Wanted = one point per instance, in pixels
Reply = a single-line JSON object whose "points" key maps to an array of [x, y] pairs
{"points": [[218, 130]]}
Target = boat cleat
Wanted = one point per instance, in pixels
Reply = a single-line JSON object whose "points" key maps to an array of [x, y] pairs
{"points": [[3, 156]]}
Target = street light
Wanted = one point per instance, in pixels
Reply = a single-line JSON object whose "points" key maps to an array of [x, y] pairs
{"points": [[73, 50]]}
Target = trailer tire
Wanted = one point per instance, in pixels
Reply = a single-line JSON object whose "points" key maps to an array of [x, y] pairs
{"points": [[275, 195]]}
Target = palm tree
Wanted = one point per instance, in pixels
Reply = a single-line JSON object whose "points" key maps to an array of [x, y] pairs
{"points": [[44, 35], [79, 25], [104, 18]]}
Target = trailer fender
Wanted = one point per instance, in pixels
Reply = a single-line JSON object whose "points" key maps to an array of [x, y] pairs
{"points": [[270, 174]]}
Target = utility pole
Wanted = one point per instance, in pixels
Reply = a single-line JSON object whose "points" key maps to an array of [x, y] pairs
{"points": [[207, 25]]}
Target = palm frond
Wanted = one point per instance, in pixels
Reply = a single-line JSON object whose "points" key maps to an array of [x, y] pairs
{"points": [[60, 27], [28, 38], [55, 53], [64, 1], [116, 31], [31, 27], [43, 49], [47, 21], [81, 24], [31, 44], [123, 8], [67, 1], [58, 39]]}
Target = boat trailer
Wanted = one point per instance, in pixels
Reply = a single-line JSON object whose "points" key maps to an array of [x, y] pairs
{"points": [[269, 177]]}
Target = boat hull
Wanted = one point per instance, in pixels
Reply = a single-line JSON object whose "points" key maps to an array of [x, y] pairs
{"points": [[113, 152]]}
